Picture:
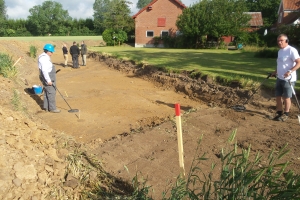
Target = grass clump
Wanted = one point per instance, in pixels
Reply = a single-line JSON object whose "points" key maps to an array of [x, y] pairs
{"points": [[32, 51], [94, 183], [16, 102], [7, 69]]}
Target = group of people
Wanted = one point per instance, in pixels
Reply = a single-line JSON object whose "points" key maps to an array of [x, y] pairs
{"points": [[288, 61], [75, 52]]}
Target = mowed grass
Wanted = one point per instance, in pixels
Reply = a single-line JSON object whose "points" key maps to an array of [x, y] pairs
{"points": [[228, 64], [54, 38]]}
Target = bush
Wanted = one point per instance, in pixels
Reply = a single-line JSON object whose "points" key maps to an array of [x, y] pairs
{"points": [[156, 41], [32, 51], [112, 37], [267, 53], [6, 67], [107, 36]]}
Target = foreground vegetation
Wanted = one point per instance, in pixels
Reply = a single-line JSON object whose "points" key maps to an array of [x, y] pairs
{"points": [[242, 176]]}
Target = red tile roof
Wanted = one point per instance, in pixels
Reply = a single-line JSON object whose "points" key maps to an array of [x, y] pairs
{"points": [[289, 18], [291, 4], [256, 19], [152, 2]]}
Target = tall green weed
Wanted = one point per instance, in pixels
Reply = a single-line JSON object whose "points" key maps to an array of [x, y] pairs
{"points": [[7, 69], [32, 51]]}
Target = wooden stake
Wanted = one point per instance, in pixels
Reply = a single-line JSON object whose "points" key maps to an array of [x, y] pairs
{"points": [[17, 61], [179, 138]]}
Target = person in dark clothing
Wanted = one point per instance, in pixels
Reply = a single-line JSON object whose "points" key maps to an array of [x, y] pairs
{"points": [[65, 53], [74, 51], [83, 51]]}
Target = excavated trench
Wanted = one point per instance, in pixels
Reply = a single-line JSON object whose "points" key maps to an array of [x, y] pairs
{"points": [[196, 87]]}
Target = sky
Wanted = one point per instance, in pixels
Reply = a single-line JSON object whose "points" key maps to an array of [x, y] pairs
{"points": [[19, 9]]}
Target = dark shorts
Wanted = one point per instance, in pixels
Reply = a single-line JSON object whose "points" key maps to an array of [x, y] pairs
{"points": [[283, 88]]}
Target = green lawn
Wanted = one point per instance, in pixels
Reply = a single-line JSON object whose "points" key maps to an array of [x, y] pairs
{"points": [[54, 38], [228, 64]]}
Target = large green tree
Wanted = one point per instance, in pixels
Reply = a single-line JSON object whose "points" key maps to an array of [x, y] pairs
{"points": [[142, 3], [100, 8], [48, 18], [112, 14], [216, 18], [268, 8], [190, 22], [3, 17]]}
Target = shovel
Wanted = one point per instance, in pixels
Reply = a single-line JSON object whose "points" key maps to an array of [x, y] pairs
{"points": [[294, 93]]}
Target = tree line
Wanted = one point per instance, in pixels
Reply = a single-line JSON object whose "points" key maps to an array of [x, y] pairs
{"points": [[51, 18], [112, 20]]}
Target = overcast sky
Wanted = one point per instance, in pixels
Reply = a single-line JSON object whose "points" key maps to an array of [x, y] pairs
{"points": [[19, 9]]}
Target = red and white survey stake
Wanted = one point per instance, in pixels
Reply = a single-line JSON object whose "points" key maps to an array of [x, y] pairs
{"points": [[179, 138]]}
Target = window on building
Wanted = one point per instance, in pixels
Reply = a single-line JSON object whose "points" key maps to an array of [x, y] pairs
{"points": [[164, 34], [161, 22], [178, 33], [150, 34]]}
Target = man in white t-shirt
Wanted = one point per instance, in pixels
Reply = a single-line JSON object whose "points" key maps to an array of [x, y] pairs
{"points": [[288, 61]]}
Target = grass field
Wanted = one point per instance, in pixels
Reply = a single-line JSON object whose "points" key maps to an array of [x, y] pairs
{"points": [[231, 65], [54, 38]]}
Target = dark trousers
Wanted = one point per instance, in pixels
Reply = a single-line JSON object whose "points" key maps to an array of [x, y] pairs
{"points": [[75, 61], [49, 97]]}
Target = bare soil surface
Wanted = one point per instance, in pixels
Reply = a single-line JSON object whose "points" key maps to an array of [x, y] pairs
{"points": [[127, 115]]}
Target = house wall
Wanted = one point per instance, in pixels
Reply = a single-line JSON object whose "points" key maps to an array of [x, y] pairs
{"points": [[147, 21]]}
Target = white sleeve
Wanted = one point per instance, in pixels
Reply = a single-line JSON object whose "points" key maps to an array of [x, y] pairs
{"points": [[46, 67], [295, 54]]}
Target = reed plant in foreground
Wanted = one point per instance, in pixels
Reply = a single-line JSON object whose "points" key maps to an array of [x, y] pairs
{"points": [[241, 177]]}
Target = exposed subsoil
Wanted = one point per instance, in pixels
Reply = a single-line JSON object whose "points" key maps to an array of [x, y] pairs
{"points": [[127, 115]]}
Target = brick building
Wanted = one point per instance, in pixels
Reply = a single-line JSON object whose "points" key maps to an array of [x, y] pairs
{"points": [[288, 13], [157, 19]]}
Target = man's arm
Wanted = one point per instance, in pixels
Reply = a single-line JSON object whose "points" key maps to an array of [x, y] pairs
{"points": [[290, 71]]}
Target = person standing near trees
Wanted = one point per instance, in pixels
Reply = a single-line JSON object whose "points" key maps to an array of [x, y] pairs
{"points": [[288, 61], [74, 51], [48, 78], [65, 53], [83, 53]]}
